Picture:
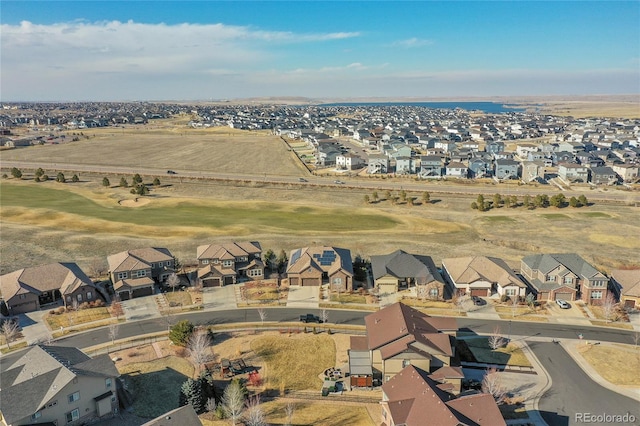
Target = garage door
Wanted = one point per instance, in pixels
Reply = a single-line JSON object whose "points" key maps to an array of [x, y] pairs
{"points": [[629, 303], [211, 282], [228, 280], [124, 295], [480, 292], [564, 296], [140, 292], [310, 282]]}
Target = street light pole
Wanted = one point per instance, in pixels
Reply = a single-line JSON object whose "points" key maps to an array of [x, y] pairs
{"points": [[509, 337]]}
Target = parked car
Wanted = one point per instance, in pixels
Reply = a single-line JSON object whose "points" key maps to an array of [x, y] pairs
{"points": [[171, 172], [472, 384], [339, 182], [563, 304], [302, 180], [477, 300], [310, 318]]}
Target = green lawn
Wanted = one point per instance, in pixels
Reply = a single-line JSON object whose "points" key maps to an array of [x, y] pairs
{"points": [[596, 215], [554, 216], [212, 215], [498, 219]]}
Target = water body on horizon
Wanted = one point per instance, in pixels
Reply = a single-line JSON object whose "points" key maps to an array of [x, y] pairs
{"points": [[486, 107]]}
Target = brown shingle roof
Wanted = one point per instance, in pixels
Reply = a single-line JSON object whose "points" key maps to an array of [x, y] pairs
{"points": [[629, 280], [466, 270]]}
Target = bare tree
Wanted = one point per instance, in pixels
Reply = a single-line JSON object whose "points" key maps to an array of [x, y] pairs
{"points": [[97, 267], [338, 288], [289, 409], [9, 330], [74, 306], [173, 281], [116, 307], [254, 415], [263, 314], [496, 340], [636, 338], [113, 332], [514, 305], [199, 347], [492, 385], [463, 302], [609, 307], [324, 316], [233, 401]]}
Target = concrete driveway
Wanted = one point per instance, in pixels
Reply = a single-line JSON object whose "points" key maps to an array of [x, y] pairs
{"points": [[220, 297], [303, 297], [140, 308]]}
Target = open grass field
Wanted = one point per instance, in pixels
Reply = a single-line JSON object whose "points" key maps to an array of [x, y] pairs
{"points": [[85, 222], [295, 362], [615, 364]]}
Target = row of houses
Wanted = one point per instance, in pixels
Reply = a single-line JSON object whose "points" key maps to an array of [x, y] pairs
{"points": [[136, 273]]}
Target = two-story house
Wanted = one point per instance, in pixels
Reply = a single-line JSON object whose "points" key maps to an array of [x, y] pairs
{"points": [[315, 266], [397, 336], [224, 264], [572, 172], [134, 272], [377, 164], [481, 276], [565, 276], [507, 169], [58, 385], [29, 289], [430, 166]]}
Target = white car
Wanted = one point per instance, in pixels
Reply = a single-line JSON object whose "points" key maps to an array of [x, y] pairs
{"points": [[563, 304]]}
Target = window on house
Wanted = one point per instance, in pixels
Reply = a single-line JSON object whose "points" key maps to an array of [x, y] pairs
{"points": [[433, 292], [69, 298], [227, 263], [79, 297], [23, 296], [568, 280], [168, 263], [139, 274], [74, 397], [510, 291], [52, 404], [73, 415], [406, 362], [552, 278], [215, 261], [205, 261], [36, 416], [107, 382], [337, 280], [153, 265], [596, 294], [122, 275], [89, 295]]}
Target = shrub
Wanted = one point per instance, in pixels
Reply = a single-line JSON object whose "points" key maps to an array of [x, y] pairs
{"points": [[61, 310], [84, 305], [4, 176], [44, 178], [52, 312], [504, 298], [181, 332]]}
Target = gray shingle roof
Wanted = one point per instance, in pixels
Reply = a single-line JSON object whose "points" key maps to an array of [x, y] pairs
{"points": [[404, 265]]}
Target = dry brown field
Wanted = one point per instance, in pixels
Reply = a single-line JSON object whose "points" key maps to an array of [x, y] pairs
{"points": [[605, 234]]}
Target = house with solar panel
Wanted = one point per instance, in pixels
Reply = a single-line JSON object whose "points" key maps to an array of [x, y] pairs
{"points": [[315, 266]]}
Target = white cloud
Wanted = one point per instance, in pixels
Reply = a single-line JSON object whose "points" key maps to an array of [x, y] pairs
{"points": [[412, 43]]}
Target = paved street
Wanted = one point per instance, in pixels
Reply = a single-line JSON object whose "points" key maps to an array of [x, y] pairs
{"points": [[573, 391]]}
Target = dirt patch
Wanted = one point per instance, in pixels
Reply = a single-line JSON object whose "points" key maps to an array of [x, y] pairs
{"points": [[138, 202]]}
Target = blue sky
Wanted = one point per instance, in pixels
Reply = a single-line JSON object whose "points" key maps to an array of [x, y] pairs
{"points": [[165, 50]]}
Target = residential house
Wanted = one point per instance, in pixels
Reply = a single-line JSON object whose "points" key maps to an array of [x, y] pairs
{"points": [[572, 172], [480, 167], [349, 161], [626, 282], [603, 175], [378, 164], [523, 149], [533, 170], [315, 266], [494, 147], [563, 157], [456, 170], [430, 166], [627, 172], [405, 165], [134, 272], [564, 276], [399, 335], [400, 270], [57, 385], [481, 276], [223, 264], [507, 169], [327, 153], [29, 289], [415, 398]]}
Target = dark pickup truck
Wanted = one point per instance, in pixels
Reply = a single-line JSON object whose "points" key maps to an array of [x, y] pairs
{"points": [[310, 318]]}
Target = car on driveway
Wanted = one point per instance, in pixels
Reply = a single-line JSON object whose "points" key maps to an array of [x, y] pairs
{"points": [[563, 304], [477, 300]]}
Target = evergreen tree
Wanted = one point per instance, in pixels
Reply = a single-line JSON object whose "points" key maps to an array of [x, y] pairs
{"points": [[60, 178], [142, 189], [137, 178], [156, 182], [573, 202], [583, 200], [191, 393], [367, 199], [497, 200], [426, 198], [16, 173], [105, 182], [181, 332], [374, 195], [39, 172], [123, 182], [75, 178]]}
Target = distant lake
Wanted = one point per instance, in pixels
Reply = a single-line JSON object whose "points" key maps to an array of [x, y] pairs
{"points": [[488, 107]]}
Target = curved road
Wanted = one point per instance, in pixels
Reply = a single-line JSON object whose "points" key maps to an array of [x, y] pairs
{"points": [[410, 185]]}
